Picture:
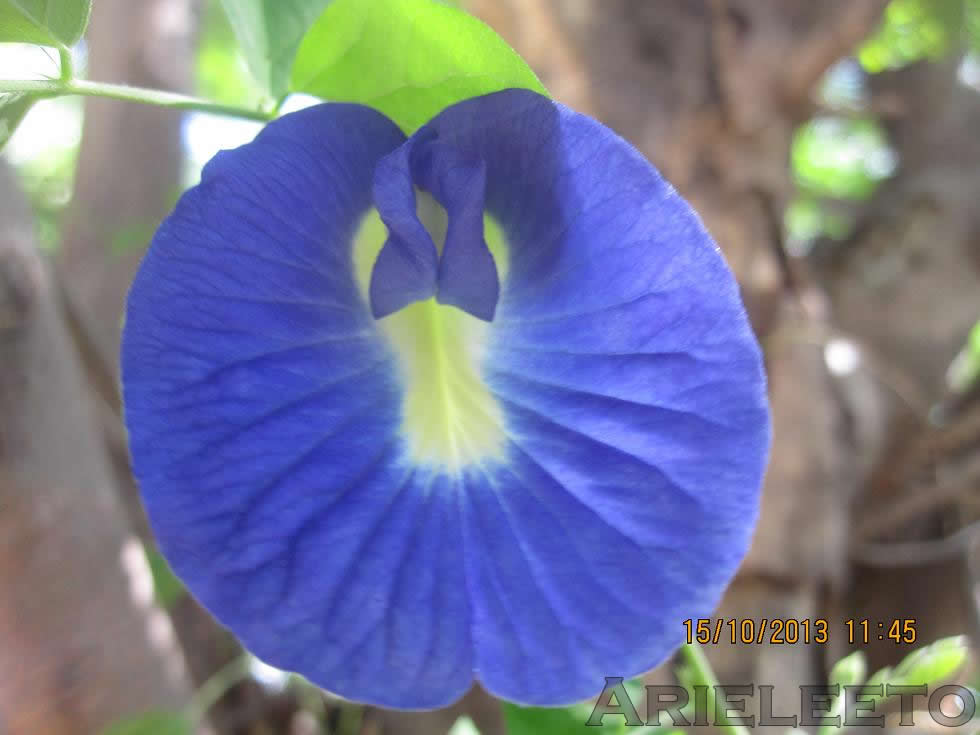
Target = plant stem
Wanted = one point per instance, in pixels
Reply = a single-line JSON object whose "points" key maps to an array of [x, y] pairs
{"points": [[705, 676], [217, 686], [67, 64], [57, 87]]}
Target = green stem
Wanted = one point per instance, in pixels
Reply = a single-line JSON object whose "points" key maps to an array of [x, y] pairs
{"points": [[57, 87], [705, 676], [67, 64], [217, 686]]}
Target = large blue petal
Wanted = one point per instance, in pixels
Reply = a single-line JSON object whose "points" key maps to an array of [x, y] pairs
{"points": [[267, 407], [263, 408], [634, 400]]}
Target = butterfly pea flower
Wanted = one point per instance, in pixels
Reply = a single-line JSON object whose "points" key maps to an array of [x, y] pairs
{"points": [[477, 405]]}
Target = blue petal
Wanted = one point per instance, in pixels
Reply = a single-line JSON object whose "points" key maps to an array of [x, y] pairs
{"points": [[634, 400], [263, 410], [406, 268], [267, 407]]}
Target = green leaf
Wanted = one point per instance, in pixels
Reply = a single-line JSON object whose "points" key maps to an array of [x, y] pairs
{"points": [[223, 74], [269, 32], [152, 723], [932, 664], [912, 30], [542, 721], [963, 372], [13, 107], [841, 158], [409, 59], [850, 670], [45, 22], [571, 720]]}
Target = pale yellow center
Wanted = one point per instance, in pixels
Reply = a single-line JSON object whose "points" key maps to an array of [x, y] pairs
{"points": [[449, 417]]}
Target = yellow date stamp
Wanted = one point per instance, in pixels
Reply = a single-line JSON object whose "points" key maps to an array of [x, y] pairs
{"points": [[792, 631]]}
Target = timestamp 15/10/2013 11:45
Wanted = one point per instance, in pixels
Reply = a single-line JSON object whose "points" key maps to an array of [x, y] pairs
{"points": [[790, 631]]}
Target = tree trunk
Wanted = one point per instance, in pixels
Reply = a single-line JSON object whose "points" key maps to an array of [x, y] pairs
{"points": [[81, 643], [130, 161], [128, 178]]}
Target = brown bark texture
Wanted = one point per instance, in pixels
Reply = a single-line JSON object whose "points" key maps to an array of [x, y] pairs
{"points": [[128, 178], [83, 644]]}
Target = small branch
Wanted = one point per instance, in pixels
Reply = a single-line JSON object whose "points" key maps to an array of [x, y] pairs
{"points": [[848, 24], [58, 87], [915, 506], [916, 553], [217, 686]]}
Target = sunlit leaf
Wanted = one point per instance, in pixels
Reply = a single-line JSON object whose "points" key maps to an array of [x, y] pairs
{"points": [[222, 72], [916, 29], [13, 107], [408, 58], [45, 22], [964, 371], [269, 32], [932, 664], [152, 723], [841, 158], [850, 670]]}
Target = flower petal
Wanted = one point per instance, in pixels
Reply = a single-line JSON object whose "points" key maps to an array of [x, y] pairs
{"points": [[607, 480], [263, 407], [466, 275], [406, 267], [633, 397]]}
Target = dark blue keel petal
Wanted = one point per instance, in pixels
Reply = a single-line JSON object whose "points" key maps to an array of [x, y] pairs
{"points": [[467, 273], [406, 268], [633, 396], [264, 408]]}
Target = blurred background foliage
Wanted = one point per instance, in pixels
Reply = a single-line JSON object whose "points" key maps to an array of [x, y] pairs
{"points": [[842, 154]]}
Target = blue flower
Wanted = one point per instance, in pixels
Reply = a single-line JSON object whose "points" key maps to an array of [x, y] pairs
{"points": [[482, 404]]}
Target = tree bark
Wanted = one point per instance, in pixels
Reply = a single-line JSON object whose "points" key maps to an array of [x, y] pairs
{"points": [[128, 178], [81, 643], [130, 161]]}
